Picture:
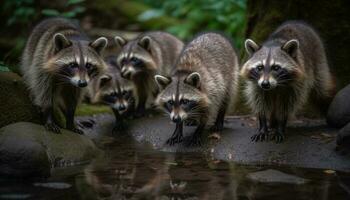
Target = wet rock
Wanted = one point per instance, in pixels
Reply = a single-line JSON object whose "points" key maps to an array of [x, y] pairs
{"points": [[27, 149], [15, 103], [343, 137], [274, 176], [339, 111]]}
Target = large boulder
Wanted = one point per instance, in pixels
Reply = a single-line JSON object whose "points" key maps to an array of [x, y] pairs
{"points": [[339, 111], [15, 105], [343, 137], [28, 150]]}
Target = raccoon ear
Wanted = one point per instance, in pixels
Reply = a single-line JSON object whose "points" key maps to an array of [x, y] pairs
{"points": [[251, 47], [162, 81], [60, 42], [145, 42], [194, 79], [119, 41], [291, 47], [99, 44]]}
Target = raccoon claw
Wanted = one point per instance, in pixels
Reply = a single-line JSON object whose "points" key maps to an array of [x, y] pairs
{"points": [[174, 140], [259, 137], [194, 141], [52, 127], [77, 130], [278, 137]]}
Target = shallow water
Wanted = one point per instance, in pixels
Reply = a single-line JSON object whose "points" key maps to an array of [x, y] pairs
{"points": [[135, 171]]}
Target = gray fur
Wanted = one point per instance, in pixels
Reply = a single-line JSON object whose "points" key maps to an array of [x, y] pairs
{"points": [[158, 50], [298, 49], [52, 45]]}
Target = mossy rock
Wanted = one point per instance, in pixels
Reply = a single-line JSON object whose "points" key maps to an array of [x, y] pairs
{"points": [[28, 149], [15, 104]]}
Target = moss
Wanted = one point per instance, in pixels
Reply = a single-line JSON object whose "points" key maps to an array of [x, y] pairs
{"points": [[88, 109]]}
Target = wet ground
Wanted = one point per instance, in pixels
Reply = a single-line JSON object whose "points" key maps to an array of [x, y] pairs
{"points": [[139, 166]]}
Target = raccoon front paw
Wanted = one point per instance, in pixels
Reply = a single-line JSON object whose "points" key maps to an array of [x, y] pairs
{"points": [[194, 141], [175, 139], [76, 130], [51, 126], [191, 123], [261, 136], [277, 137], [119, 127]]}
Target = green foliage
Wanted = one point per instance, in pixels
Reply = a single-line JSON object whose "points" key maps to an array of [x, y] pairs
{"points": [[71, 13], [23, 10], [3, 67], [197, 15]]}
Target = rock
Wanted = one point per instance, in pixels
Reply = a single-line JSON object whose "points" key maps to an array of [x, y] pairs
{"points": [[343, 137], [27, 149], [339, 111], [15, 103], [274, 176]]}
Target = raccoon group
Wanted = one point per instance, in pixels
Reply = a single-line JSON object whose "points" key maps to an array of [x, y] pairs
{"points": [[194, 83]]}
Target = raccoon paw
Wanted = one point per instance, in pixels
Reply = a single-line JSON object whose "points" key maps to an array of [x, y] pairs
{"points": [[118, 127], [77, 130], [261, 136], [191, 123], [277, 137], [174, 140], [50, 126], [194, 141]]}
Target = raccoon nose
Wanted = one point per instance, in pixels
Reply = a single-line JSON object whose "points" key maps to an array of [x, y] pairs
{"points": [[122, 107], [82, 83], [265, 84], [176, 119]]}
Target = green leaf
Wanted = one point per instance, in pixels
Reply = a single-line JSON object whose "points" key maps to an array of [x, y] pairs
{"points": [[69, 14], [50, 12], [73, 2], [149, 14]]}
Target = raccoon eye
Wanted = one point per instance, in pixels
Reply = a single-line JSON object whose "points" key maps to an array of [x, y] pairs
{"points": [[89, 66], [73, 65], [276, 67], [123, 62], [171, 102], [184, 101], [136, 61], [260, 67]]}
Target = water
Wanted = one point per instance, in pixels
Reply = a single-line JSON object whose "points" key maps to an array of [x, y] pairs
{"points": [[135, 171]]}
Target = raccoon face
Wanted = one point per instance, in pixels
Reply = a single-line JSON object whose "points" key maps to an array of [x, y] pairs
{"points": [[271, 66], [135, 57], [116, 94], [181, 97], [76, 62]]}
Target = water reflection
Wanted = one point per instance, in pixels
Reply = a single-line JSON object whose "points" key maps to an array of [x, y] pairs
{"points": [[131, 171]]}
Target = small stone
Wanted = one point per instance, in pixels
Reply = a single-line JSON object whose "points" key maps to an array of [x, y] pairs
{"points": [[329, 171], [215, 136], [275, 176]]}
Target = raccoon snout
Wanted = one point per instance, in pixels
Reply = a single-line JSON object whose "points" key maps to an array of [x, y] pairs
{"points": [[176, 119], [82, 83], [265, 84]]}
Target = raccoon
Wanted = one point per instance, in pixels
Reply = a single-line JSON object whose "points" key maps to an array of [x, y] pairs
{"points": [[289, 68], [202, 85], [115, 91], [57, 63], [140, 59]]}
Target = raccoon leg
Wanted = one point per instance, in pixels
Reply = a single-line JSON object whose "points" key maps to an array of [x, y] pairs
{"points": [[119, 122], [278, 136], [141, 107], [70, 125], [195, 139], [263, 129], [177, 135], [50, 123], [219, 122]]}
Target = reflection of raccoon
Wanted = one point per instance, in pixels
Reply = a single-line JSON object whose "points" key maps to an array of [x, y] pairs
{"points": [[58, 61], [140, 59], [202, 85], [282, 73], [115, 91]]}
